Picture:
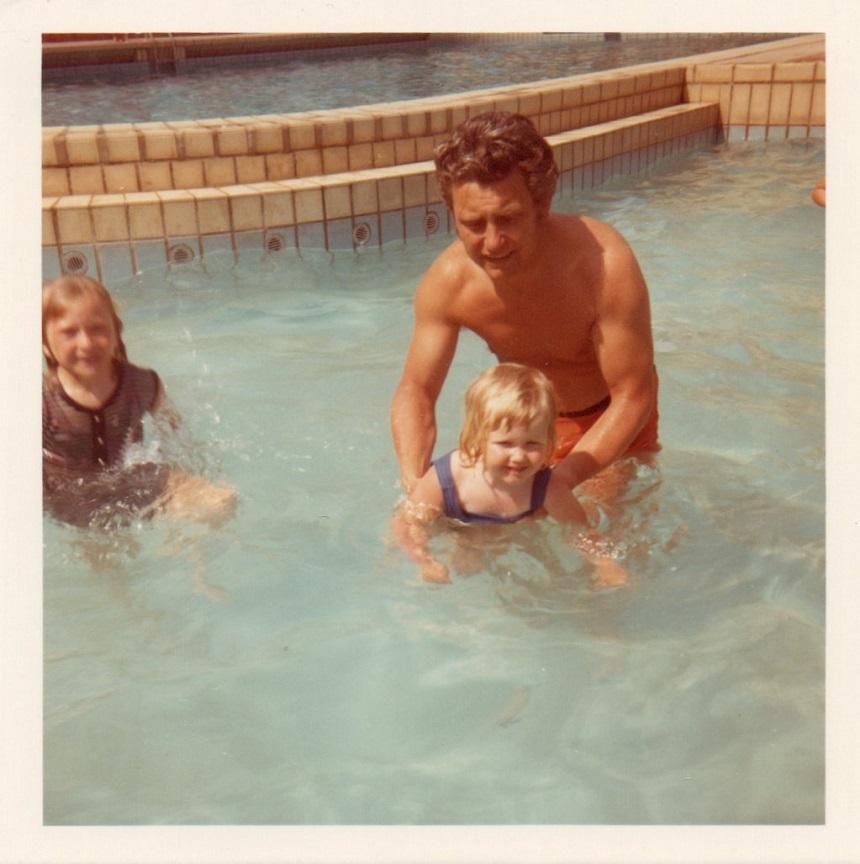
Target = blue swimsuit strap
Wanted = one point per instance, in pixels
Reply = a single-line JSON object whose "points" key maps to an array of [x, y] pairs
{"points": [[539, 487], [455, 510]]}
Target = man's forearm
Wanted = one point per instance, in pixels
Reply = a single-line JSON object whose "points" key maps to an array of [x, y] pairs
{"points": [[606, 441], [576, 467], [413, 429]]}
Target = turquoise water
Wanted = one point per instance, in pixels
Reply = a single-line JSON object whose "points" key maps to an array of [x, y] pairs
{"points": [[325, 684], [343, 77]]}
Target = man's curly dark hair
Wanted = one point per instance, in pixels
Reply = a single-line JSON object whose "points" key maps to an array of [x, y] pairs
{"points": [[488, 147]]}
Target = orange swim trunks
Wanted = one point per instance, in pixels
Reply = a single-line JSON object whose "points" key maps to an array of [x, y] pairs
{"points": [[569, 428]]}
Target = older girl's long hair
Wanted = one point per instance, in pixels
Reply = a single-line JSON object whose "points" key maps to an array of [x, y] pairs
{"points": [[506, 395]]}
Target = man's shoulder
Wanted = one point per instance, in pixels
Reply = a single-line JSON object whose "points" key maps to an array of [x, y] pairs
{"points": [[452, 261], [574, 224], [448, 273], [606, 242]]}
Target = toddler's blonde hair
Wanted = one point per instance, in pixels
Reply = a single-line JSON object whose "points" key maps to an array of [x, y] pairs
{"points": [[503, 396]]}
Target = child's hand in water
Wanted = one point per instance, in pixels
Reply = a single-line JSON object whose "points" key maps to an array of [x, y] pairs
{"points": [[434, 571], [602, 554], [608, 573]]}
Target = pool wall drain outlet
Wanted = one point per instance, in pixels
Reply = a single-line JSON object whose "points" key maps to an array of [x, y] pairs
{"points": [[431, 223], [361, 234], [182, 253], [275, 242], [75, 262]]}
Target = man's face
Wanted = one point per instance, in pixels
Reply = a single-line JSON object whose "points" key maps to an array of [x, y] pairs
{"points": [[497, 224]]}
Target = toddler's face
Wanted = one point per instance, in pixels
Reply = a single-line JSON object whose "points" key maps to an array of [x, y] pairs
{"points": [[514, 454], [83, 339]]}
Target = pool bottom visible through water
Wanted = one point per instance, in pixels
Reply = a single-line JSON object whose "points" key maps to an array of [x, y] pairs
{"points": [[314, 679]]}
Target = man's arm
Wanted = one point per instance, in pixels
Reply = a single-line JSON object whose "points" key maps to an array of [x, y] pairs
{"points": [[411, 524], [625, 353], [413, 409]]}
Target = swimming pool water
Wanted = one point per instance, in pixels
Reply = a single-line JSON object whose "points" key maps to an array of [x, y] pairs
{"points": [[329, 685], [343, 77]]}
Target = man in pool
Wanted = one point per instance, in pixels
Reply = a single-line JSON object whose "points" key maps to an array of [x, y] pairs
{"points": [[559, 292]]}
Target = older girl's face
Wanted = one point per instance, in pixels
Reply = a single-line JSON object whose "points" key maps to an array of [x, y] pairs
{"points": [[83, 340]]}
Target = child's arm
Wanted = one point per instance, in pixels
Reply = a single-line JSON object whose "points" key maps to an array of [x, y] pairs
{"points": [[563, 506], [189, 496], [163, 410], [411, 521]]}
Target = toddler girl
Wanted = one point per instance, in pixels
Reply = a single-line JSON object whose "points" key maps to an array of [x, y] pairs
{"points": [[499, 473], [93, 404]]}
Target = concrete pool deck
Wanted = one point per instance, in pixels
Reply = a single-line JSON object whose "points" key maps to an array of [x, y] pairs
{"points": [[122, 198]]}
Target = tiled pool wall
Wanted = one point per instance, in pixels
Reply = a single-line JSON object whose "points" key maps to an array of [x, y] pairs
{"points": [[763, 101], [121, 199]]}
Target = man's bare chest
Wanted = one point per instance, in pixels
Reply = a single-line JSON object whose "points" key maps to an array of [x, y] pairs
{"points": [[552, 328]]}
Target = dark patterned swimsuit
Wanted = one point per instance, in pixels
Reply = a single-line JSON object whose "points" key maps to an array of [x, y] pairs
{"points": [[83, 478]]}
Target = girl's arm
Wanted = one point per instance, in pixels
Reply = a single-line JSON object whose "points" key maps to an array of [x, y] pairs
{"points": [[163, 410], [411, 522]]}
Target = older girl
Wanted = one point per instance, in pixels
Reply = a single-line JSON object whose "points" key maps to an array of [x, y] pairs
{"points": [[93, 404]]}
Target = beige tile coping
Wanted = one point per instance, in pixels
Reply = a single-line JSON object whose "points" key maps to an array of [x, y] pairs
{"points": [[200, 166], [218, 152], [415, 121], [142, 215]]}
